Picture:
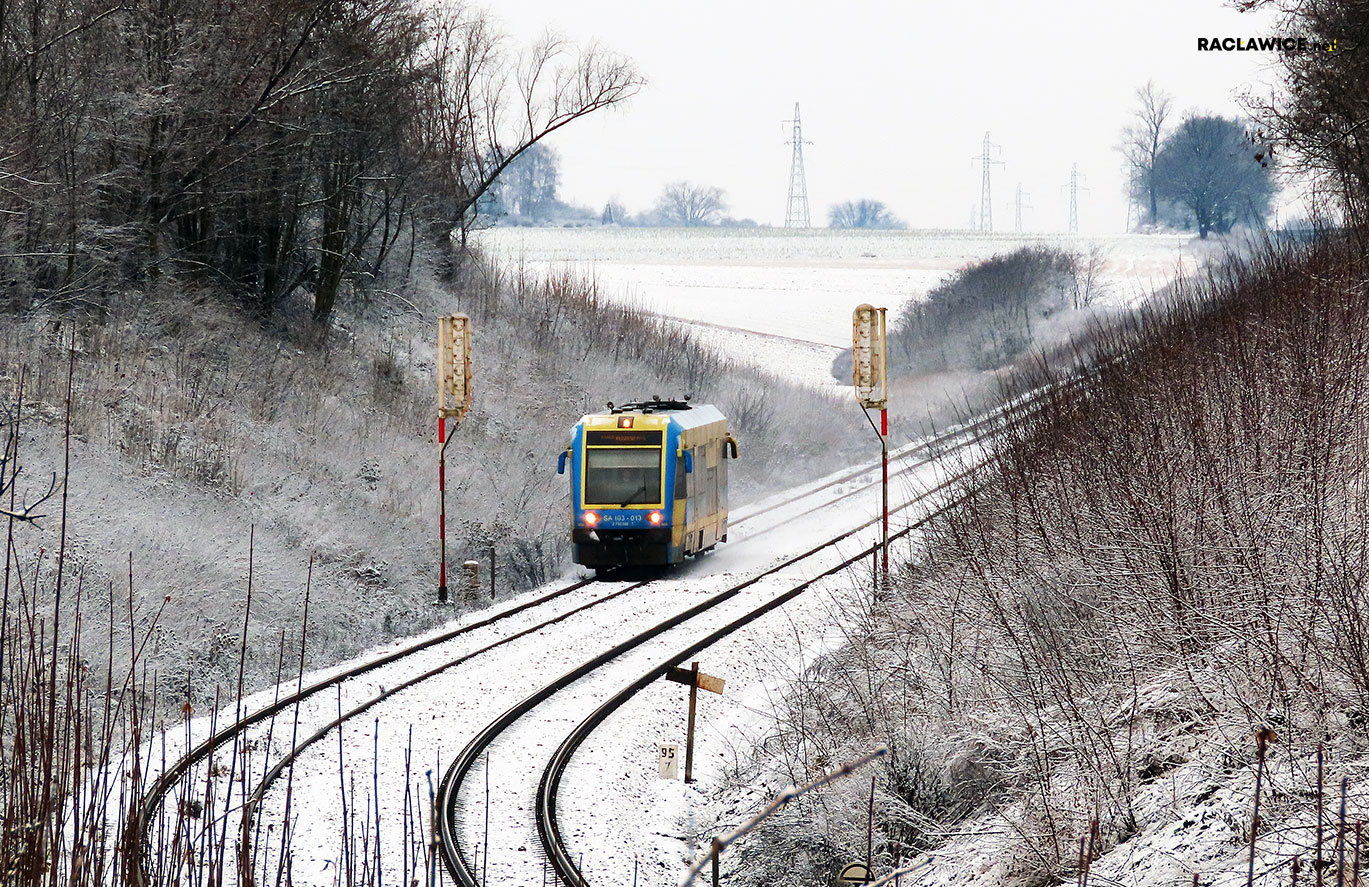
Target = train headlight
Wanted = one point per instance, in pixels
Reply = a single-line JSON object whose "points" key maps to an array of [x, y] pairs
{"points": [[654, 517], [591, 518]]}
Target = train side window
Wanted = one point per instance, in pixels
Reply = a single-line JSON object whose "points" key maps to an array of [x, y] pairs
{"points": [[681, 490]]}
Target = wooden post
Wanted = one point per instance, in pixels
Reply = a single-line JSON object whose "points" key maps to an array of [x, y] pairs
{"points": [[1321, 805], [491, 572], [870, 832], [689, 738], [717, 852], [696, 680]]}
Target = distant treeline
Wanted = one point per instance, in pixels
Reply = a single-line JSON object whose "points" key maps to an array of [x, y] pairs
{"points": [[987, 314]]}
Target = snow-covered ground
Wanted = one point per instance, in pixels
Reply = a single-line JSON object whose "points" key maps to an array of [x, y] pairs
{"points": [[797, 288], [783, 298], [614, 808]]}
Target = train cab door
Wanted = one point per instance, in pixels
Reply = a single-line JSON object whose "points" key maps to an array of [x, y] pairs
{"points": [[711, 530], [722, 494]]}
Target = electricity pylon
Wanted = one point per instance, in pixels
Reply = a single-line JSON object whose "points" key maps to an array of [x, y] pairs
{"points": [[1020, 204], [1074, 198], [796, 211], [985, 196]]}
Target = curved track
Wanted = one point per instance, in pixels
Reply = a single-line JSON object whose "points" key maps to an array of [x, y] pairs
{"points": [[144, 813], [567, 870], [449, 804], [548, 829]]}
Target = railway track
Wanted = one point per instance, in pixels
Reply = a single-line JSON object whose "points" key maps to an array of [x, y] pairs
{"points": [[564, 863], [457, 862], [150, 811]]}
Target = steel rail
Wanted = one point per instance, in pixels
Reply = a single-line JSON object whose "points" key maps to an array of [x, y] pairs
{"points": [[251, 805], [448, 803], [548, 828], [140, 821]]}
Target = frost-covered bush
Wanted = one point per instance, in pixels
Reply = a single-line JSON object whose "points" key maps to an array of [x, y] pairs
{"points": [[1156, 564], [207, 436]]}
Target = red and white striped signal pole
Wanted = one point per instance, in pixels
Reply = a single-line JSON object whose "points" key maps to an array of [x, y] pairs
{"points": [[869, 376], [453, 400], [884, 458]]}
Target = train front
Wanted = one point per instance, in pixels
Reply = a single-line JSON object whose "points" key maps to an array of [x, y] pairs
{"points": [[621, 499]]}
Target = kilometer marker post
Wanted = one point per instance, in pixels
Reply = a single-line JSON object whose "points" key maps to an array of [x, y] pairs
{"points": [[696, 681], [453, 400]]}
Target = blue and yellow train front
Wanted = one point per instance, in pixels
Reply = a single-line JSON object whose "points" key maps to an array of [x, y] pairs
{"points": [[622, 490]]}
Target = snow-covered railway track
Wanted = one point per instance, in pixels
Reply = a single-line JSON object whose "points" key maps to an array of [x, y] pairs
{"points": [[385, 677], [176, 773], [550, 710], [395, 672], [565, 864], [520, 729]]}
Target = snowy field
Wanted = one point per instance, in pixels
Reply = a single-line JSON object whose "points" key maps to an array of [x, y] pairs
{"points": [[784, 298]]}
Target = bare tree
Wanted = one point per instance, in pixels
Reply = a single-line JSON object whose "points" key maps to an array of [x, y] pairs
{"points": [[268, 148], [483, 119], [684, 203], [863, 213], [1141, 144], [1208, 169], [1322, 115]]}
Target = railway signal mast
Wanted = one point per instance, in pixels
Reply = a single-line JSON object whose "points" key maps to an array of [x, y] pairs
{"points": [[453, 400], [869, 376]]}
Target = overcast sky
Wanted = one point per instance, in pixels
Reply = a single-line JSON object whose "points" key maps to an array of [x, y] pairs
{"points": [[895, 98]]}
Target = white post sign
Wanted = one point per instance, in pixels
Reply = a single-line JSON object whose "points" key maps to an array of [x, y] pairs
{"points": [[868, 367], [668, 760], [453, 366]]}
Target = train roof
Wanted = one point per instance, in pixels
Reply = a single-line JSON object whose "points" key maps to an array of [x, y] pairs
{"points": [[682, 414]]}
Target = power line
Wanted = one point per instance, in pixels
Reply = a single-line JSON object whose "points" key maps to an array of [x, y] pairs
{"points": [[796, 210], [985, 198]]}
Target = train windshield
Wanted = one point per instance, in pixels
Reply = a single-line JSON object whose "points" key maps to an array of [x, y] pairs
{"points": [[622, 476]]}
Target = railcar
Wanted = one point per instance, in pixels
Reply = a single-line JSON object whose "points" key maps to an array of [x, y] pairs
{"points": [[648, 483]]}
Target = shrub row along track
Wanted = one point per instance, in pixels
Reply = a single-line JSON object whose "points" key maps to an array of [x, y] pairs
{"points": [[402, 669]]}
